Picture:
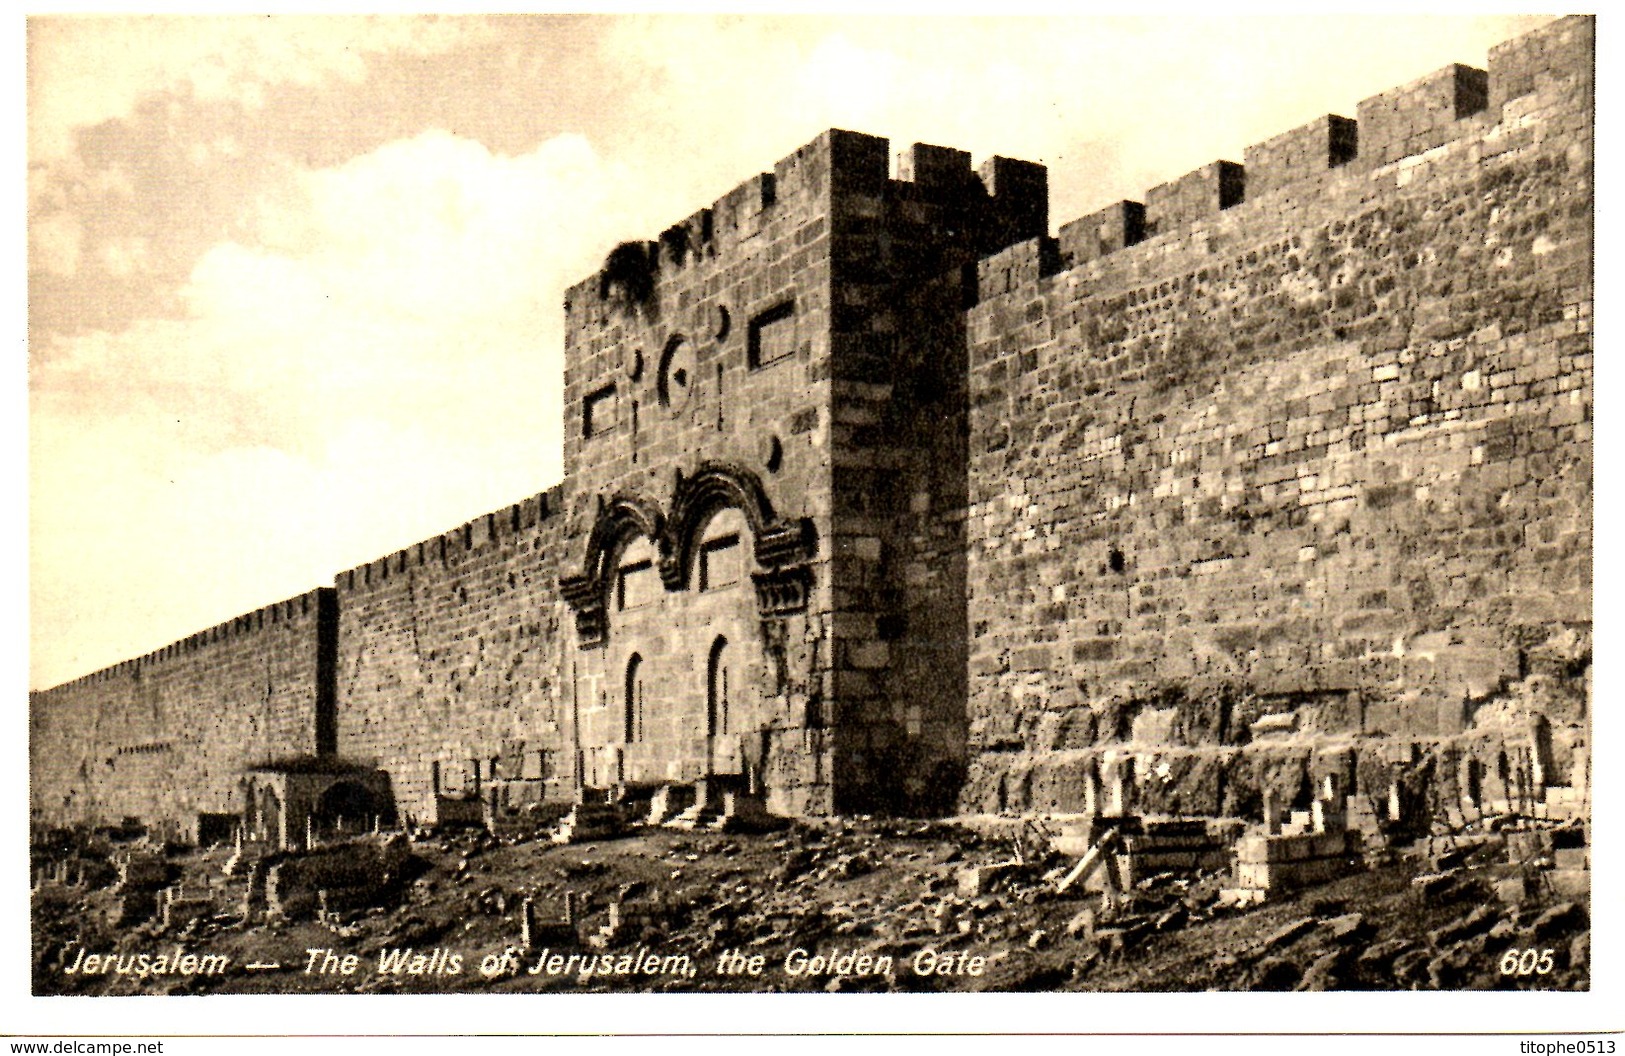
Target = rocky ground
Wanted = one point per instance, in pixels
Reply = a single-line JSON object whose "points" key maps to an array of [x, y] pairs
{"points": [[951, 908]]}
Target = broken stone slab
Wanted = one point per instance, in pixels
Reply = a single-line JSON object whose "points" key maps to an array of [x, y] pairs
{"points": [[1410, 969], [1139, 868], [1381, 954], [1290, 933], [1289, 847], [1446, 970], [1350, 928], [1514, 890], [1276, 877], [1568, 883], [977, 880], [1561, 919], [1326, 973], [1571, 858], [1478, 920], [1528, 845], [1435, 887]]}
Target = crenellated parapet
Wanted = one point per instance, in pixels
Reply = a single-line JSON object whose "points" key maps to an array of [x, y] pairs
{"points": [[1401, 123], [1004, 200], [301, 607], [497, 528]]}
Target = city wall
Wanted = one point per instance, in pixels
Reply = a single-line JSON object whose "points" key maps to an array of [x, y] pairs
{"points": [[168, 735], [877, 497], [448, 658], [1296, 457]]}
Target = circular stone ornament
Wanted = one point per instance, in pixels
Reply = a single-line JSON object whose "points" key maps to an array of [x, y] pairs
{"points": [[677, 373], [633, 363]]}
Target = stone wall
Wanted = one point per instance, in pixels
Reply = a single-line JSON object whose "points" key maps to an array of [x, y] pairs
{"points": [[1324, 450], [167, 736], [899, 443], [449, 653], [875, 495]]}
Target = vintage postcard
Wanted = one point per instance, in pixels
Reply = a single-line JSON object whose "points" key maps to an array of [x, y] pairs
{"points": [[758, 504]]}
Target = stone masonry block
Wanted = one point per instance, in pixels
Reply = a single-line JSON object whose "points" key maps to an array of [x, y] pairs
{"points": [[1303, 153], [1421, 115], [1564, 48], [1100, 233], [1194, 196], [1020, 190], [930, 166]]}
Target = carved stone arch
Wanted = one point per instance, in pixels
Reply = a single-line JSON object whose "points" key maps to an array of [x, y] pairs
{"points": [[783, 549], [618, 519], [718, 485]]}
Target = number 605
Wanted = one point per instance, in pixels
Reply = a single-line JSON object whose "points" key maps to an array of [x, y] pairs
{"points": [[1526, 962]]}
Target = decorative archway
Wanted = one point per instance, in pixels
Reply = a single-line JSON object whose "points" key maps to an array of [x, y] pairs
{"points": [[587, 593], [782, 548], [349, 806]]}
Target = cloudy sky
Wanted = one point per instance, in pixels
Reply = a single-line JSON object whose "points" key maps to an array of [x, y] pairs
{"points": [[295, 283]]}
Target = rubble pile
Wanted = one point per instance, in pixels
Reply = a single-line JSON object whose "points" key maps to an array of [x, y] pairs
{"points": [[1338, 901]]}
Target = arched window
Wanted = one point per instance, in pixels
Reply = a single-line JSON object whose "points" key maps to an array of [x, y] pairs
{"points": [[717, 699], [634, 699], [721, 550], [636, 581]]}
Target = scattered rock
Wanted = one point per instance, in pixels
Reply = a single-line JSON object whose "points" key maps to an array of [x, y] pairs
{"points": [[1082, 924], [1325, 973], [1276, 973], [1580, 951], [1376, 957], [1350, 928], [1435, 888], [1558, 921], [1289, 934], [1410, 969]]}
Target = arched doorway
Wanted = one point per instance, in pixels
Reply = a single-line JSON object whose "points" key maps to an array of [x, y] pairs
{"points": [[717, 702], [349, 807], [636, 722]]}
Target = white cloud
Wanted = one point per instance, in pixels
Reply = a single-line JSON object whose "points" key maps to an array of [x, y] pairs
{"points": [[85, 69], [328, 397], [124, 257]]}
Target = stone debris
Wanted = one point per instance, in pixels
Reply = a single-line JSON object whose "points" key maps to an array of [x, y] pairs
{"points": [[861, 888]]}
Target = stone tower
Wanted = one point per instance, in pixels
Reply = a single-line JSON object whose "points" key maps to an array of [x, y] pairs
{"points": [[765, 446]]}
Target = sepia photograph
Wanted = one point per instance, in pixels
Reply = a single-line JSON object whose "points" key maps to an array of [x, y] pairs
{"points": [[787, 504]]}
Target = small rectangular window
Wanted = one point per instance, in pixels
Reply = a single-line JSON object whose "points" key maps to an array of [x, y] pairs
{"points": [[636, 585], [598, 412], [772, 335], [721, 562]]}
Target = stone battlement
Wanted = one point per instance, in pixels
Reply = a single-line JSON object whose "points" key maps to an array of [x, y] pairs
{"points": [[496, 527], [1447, 106], [837, 166], [288, 611]]}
